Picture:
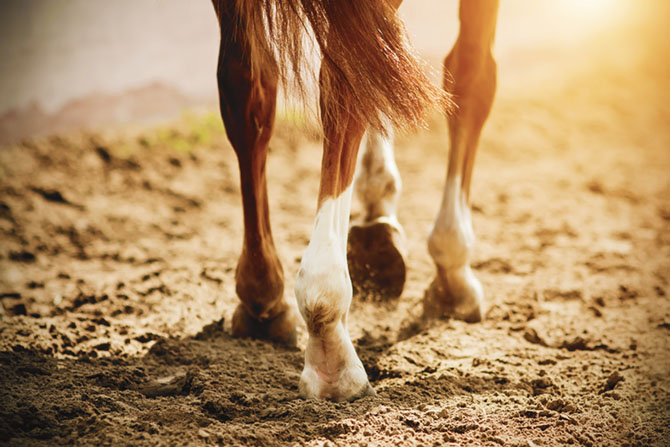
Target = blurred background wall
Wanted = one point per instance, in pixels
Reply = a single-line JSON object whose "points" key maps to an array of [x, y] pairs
{"points": [[84, 63], [52, 51]]}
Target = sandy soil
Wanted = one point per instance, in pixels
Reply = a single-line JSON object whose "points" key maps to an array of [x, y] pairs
{"points": [[118, 250]]}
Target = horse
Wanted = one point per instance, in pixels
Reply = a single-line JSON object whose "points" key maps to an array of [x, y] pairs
{"points": [[370, 82]]}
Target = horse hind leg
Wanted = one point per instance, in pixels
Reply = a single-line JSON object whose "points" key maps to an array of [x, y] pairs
{"points": [[470, 74], [376, 247], [247, 103]]}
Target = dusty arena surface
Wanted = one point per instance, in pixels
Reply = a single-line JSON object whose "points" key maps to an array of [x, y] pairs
{"points": [[118, 250]]}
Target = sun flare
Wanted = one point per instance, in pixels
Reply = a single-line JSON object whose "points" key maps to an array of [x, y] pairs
{"points": [[592, 12], [591, 8]]}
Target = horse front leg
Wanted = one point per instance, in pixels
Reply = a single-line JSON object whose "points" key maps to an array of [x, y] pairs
{"points": [[470, 75]]}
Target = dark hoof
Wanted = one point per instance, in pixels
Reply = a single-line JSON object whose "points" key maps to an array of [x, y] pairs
{"points": [[375, 255], [281, 328]]}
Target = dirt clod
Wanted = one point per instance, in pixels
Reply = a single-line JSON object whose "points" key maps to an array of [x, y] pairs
{"points": [[612, 381]]}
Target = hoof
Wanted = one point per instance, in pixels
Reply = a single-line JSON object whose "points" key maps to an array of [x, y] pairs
{"points": [[456, 295], [375, 253], [348, 388], [280, 328]]}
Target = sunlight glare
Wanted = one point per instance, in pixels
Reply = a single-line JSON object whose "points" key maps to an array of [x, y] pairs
{"points": [[591, 13], [574, 20], [591, 9]]}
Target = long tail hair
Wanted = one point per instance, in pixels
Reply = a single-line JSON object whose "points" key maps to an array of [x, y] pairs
{"points": [[368, 66]]}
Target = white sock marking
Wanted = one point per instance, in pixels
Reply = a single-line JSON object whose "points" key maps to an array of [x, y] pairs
{"points": [[332, 368], [377, 180]]}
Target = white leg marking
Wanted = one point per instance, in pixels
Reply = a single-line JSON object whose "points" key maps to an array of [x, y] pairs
{"points": [[377, 241], [377, 180], [323, 291], [450, 244], [451, 238]]}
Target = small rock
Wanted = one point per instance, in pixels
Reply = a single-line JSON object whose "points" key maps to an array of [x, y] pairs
{"points": [[18, 309], [203, 434], [532, 336], [612, 381]]}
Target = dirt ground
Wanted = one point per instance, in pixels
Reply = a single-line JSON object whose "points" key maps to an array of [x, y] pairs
{"points": [[118, 251]]}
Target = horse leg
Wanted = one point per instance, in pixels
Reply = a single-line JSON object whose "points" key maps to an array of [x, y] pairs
{"points": [[377, 242], [470, 75], [376, 247], [323, 286], [247, 102]]}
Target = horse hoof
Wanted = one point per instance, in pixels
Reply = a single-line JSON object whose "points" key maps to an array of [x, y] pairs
{"points": [[281, 328], [456, 295], [333, 372], [375, 253]]}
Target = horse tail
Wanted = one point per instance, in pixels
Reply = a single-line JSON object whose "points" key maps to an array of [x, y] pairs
{"points": [[368, 65]]}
